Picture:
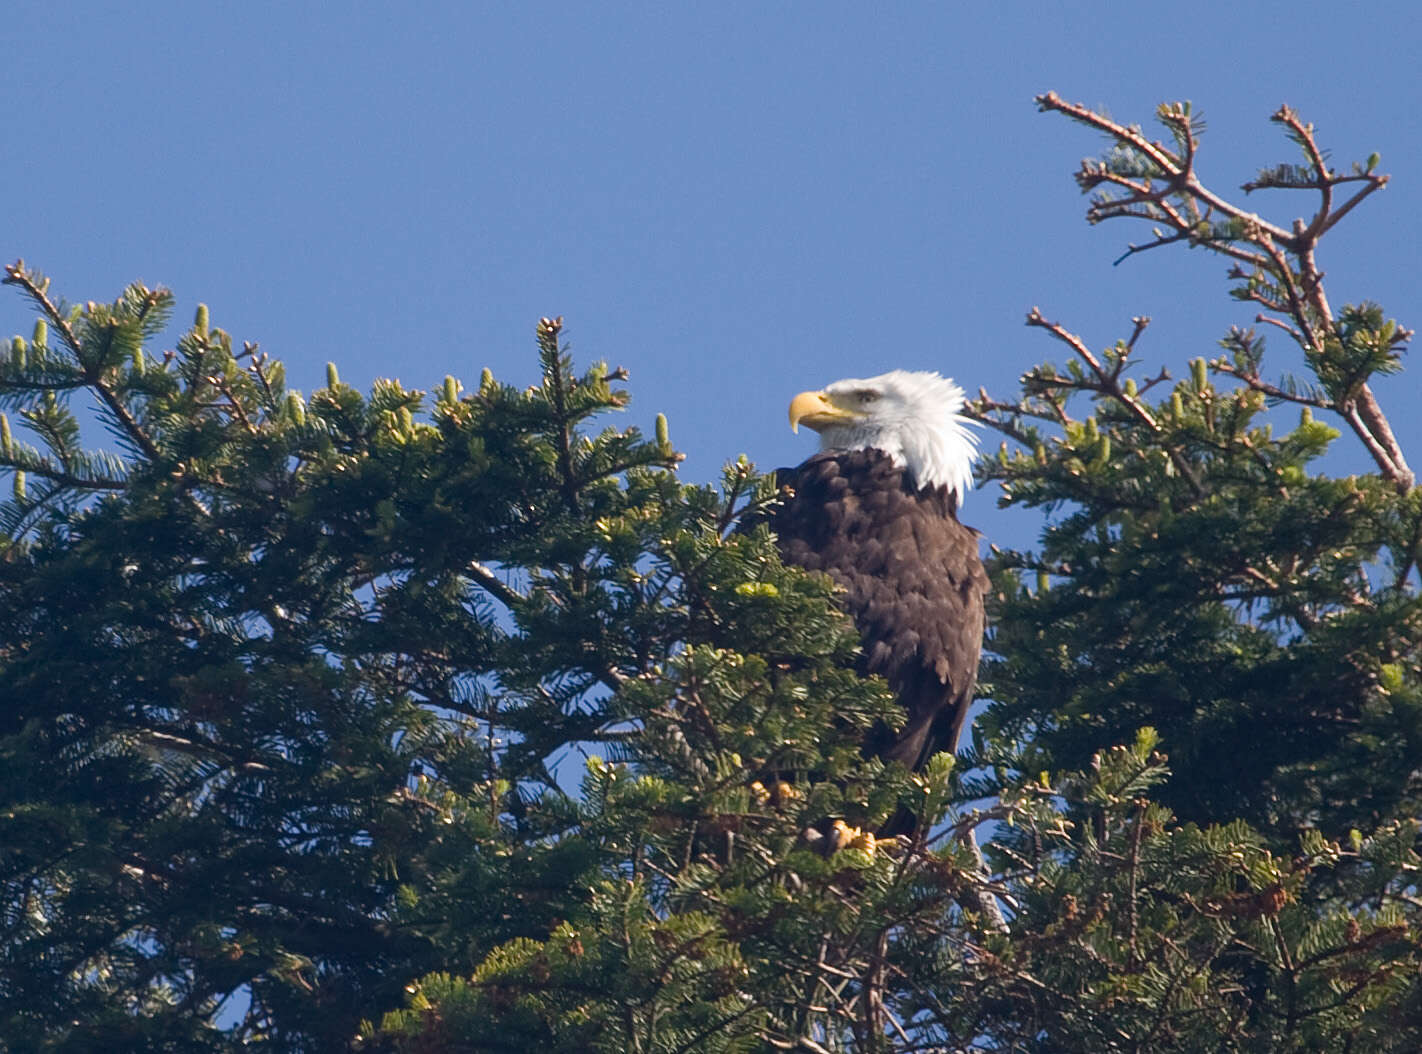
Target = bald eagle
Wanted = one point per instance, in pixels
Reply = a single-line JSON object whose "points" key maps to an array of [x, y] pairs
{"points": [[876, 509]]}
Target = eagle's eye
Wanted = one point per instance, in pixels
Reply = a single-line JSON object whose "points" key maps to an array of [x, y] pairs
{"points": [[867, 397]]}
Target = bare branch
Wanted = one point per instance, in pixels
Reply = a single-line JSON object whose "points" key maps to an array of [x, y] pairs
{"points": [[1376, 183], [1178, 176], [1132, 248], [1140, 322], [1303, 133], [1159, 156], [1268, 320]]}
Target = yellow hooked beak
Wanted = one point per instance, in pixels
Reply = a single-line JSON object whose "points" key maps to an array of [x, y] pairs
{"points": [[816, 410]]}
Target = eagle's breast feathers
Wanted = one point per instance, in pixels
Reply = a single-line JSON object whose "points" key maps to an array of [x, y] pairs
{"points": [[876, 510], [912, 579]]}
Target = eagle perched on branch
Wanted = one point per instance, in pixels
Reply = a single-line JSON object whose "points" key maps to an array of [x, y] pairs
{"points": [[876, 509]]}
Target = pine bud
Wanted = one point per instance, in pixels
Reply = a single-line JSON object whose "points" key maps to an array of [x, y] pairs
{"points": [[450, 394], [17, 353], [19, 486], [1305, 417], [1177, 406], [200, 322], [41, 335], [333, 379], [1130, 388], [407, 420], [296, 408], [1044, 582], [6, 443], [486, 379], [138, 361], [663, 434], [1197, 367]]}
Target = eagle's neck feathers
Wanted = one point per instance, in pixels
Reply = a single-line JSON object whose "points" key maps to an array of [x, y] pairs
{"points": [[914, 418]]}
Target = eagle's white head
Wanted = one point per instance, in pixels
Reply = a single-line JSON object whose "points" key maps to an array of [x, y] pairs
{"points": [[911, 416]]}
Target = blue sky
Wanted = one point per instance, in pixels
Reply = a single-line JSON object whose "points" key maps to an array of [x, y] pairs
{"points": [[735, 201]]}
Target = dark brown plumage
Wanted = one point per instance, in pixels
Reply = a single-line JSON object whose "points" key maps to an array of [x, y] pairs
{"points": [[914, 585]]}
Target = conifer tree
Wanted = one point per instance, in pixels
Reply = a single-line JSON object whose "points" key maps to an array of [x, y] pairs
{"points": [[1207, 582], [1204, 588], [287, 682], [456, 721]]}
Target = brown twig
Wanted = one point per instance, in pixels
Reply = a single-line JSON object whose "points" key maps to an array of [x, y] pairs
{"points": [[1140, 322], [1176, 173]]}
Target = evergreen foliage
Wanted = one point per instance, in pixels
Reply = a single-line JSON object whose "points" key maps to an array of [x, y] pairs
{"points": [[455, 721]]}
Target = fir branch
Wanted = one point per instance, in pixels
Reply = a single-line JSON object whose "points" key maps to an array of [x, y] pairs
{"points": [[1296, 291], [15, 274], [258, 369], [1273, 391], [1290, 284], [984, 405], [1269, 320], [45, 468], [233, 404], [1108, 384], [192, 746], [38, 292], [494, 585], [1324, 181], [554, 367], [1179, 176]]}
